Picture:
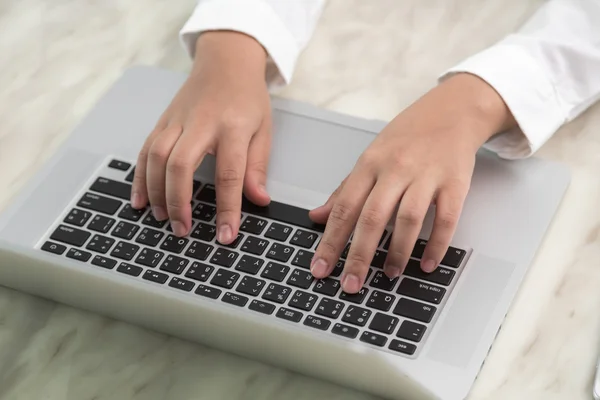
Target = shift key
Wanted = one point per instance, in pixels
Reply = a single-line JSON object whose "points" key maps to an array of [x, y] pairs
{"points": [[99, 203], [421, 291]]}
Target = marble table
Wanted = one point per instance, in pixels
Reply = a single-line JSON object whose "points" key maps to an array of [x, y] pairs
{"points": [[369, 59]]}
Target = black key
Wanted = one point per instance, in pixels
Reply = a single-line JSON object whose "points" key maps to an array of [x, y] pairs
{"points": [[278, 232], [373, 338], [383, 323], [402, 347], [129, 269], [381, 281], [174, 264], [304, 238], [100, 244], [346, 250], [261, 307], [98, 203], [174, 244], [280, 252], [253, 225], [77, 217], [382, 237], [125, 230], [233, 244], [235, 299], [275, 271], [149, 237], [303, 300], [330, 308], [249, 264], [199, 251], [224, 257], [54, 248], [101, 224], [280, 212], [204, 212], [289, 315], [199, 271], [181, 284], [303, 259], [441, 275], [415, 310], [356, 315], [207, 194], [452, 258], [153, 222], [112, 188], [69, 235], [129, 177], [104, 262], [120, 165], [155, 276], [421, 291], [125, 251], [250, 285], [316, 322], [381, 300], [300, 278], [255, 245], [196, 185], [356, 298], [386, 246], [224, 278], [327, 286], [204, 232], [131, 214], [411, 331], [379, 259], [149, 257], [79, 255], [207, 291], [277, 293], [338, 269], [345, 331]]}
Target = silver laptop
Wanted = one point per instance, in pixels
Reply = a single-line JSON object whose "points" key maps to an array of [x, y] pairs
{"points": [[72, 237]]}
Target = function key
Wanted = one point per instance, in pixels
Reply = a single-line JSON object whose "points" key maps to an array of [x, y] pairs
{"points": [[235, 299], [255, 245], [129, 269], [356, 298], [277, 293], [278, 232], [327, 286], [356, 315], [104, 262], [289, 315], [207, 194], [224, 257], [261, 307], [303, 259], [249, 264], [441, 275], [225, 279], [100, 244], [204, 232], [280, 252], [99, 203], [275, 271], [200, 272], [402, 347], [373, 338], [303, 300], [181, 284], [149, 258], [300, 278], [120, 165], [250, 285], [79, 255], [204, 212], [125, 251], [101, 224], [381, 281], [174, 264], [155, 276], [54, 248], [77, 217], [125, 230], [207, 291], [345, 331], [381, 300], [330, 308], [149, 237], [411, 331], [199, 251], [174, 244], [69, 235], [253, 225], [153, 222], [316, 322], [415, 310], [304, 239], [421, 291], [112, 188], [383, 323], [131, 214]]}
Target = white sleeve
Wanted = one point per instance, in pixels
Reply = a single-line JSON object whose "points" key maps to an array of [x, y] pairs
{"points": [[547, 73], [282, 27]]}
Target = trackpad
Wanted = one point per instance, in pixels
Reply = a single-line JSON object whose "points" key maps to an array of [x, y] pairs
{"points": [[480, 289]]}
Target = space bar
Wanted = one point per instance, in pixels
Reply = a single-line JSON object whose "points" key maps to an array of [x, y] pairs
{"points": [[282, 213]]}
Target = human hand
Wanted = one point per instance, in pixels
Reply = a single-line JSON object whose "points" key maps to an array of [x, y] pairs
{"points": [[426, 154], [223, 109]]}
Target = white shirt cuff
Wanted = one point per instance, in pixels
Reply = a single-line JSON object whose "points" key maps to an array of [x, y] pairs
{"points": [[527, 91], [253, 18]]}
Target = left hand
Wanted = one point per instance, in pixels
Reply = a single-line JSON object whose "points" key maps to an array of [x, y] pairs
{"points": [[426, 154]]}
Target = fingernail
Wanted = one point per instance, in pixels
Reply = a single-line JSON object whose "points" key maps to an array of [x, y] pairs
{"points": [[350, 284], [392, 272], [178, 228], [159, 213], [319, 268], [429, 265], [136, 200], [224, 234]]}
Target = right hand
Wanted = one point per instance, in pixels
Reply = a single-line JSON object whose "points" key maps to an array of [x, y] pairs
{"points": [[223, 109]]}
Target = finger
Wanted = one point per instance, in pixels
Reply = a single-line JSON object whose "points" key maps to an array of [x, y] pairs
{"points": [[160, 150], [320, 214], [232, 155], [449, 205], [256, 168], [341, 222], [181, 165], [374, 217], [139, 191], [409, 221]]}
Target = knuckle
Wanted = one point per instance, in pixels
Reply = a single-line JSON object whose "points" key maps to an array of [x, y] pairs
{"points": [[409, 216], [177, 165], [357, 259], [446, 220], [400, 163], [327, 247], [341, 212], [158, 153], [368, 160], [234, 120], [370, 219], [258, 166], [228, 177]]}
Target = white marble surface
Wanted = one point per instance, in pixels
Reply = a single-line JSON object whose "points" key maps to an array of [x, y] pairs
{"points": [[367, 58]]}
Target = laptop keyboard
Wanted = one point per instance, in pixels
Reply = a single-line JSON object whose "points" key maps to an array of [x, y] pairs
{"points": [[265, 270]]}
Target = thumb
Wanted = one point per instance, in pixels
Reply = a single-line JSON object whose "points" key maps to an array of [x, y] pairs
{"points": [[257, 166]]}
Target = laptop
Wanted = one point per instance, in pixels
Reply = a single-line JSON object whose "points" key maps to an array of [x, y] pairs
{"points": [[71, 236]]}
